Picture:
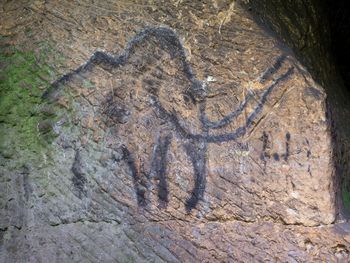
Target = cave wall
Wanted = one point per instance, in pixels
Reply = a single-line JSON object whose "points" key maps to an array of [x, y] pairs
{"points": [[169, 131], [317, 31]]}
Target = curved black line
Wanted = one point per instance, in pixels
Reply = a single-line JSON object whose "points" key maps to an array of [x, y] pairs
{"points": [[140, 185], [167, 38], [196, 147], [228, 136], [228, 118], [160, 167], [242, 130], [272, 70], [170, 42], [197, 153]]}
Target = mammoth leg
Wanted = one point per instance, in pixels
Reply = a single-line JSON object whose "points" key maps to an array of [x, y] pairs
{"points": [[197, 150], [159, 165], [140, 184]]}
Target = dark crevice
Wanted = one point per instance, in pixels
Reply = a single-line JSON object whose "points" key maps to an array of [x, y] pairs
{"points": [[339, 21], [83, 221]]}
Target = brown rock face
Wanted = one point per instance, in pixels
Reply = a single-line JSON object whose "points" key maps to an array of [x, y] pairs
{"points": [[184, 133], [246, 154]]}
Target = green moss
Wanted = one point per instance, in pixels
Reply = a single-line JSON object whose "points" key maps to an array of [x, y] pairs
{"points": [[128, 258], [24, 76], [88, 84], [346, 196]]}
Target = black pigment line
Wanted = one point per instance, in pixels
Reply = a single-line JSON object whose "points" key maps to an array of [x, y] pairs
{"points": [[250, 120], [263, 100], [264, 154], [197, 153], [272, 70], [308, 154], [228, 136], [78, 178], [286, 155], [161, 168], [196, 148], [168, 40], [265, 140], [276, 157], [229, 118], [139, 184], [171, 117]]}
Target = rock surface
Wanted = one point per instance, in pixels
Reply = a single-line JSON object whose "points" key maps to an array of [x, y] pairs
{"points": [[172, 132]]}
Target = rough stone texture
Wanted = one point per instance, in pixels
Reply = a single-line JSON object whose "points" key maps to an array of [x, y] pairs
{"points": [[298, 23], [202, 138]]}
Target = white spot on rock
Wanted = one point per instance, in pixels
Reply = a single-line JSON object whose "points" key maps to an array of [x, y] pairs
{"points": [[210, 79]]}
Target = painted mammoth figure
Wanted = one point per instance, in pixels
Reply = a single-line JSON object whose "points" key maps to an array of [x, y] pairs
{"points": [[157, 99]]}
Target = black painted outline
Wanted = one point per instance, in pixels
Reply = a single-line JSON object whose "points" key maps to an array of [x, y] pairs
{"points": [[160, 166], [196, 145], [140, 185], [78, 178]]}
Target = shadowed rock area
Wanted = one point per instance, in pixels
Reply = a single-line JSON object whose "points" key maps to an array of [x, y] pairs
{"points": [[177, 131]]}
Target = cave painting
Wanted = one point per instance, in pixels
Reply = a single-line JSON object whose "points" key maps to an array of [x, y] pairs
{"points": [[265, 155], [195, 144]]}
